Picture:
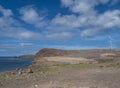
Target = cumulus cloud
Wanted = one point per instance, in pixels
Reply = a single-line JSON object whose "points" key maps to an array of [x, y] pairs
{"points": [[89, 25], [104, 22], [84, 20], [89, 19], [88, 22], [30, 15], [65, 22], [63, 36], [51, 30], [83, 6], [12, 28], [6, 19], [5, 12]]}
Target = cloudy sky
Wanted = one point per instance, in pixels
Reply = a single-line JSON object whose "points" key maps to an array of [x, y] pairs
{"points": [[26, 26]]}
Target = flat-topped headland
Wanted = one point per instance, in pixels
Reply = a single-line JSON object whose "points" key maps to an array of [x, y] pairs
{"points": [[58, 56]]}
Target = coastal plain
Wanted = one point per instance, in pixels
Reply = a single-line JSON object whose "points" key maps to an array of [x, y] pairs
{"points": [[54, 68]]}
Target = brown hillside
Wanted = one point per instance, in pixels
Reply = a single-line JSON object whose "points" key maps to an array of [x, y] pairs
{"points": [[92, 53], [48, 56], [47, 52]]}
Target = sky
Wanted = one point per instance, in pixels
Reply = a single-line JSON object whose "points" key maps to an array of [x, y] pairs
{"points": [[26, 26]]}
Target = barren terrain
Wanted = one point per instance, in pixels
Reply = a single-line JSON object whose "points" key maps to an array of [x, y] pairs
{"points": [[71, 69], [67, 78]]}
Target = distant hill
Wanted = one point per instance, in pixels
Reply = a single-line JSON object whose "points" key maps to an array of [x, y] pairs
{"points": [[48, 52], [27, 56], [91, 53], [50, 56]]}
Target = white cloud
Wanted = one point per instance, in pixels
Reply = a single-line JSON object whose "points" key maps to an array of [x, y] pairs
{"points": [[13, 29], [61, 36], [90, 24], [89, 20], [90, 32], [66, 21], [71, 47], [22, 44], [6, 19], [87, 23], [28, 35], [30, 15], [103, 23], [5, 12], [67, 3], [83, 6], [76, 5], [109, 19]]}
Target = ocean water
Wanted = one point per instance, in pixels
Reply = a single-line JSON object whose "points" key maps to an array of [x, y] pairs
{"points": [[11, 63]]}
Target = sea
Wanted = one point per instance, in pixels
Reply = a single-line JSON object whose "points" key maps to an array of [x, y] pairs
{"points": [[13, 63]]}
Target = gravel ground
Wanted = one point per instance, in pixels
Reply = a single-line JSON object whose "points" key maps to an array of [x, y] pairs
{"points": [[68, 78]]}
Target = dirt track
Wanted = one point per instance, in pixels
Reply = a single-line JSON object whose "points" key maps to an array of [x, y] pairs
{"points": [[69, 78]]}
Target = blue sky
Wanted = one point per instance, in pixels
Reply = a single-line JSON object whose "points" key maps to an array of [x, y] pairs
{"points": [[27, 26]]}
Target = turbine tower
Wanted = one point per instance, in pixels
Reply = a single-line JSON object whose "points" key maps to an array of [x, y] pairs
{"points": [[110, 42]]}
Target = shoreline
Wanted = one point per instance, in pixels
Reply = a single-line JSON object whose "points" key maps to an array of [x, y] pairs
{"points": [[22, 78], [51, 72], [26, 63]]}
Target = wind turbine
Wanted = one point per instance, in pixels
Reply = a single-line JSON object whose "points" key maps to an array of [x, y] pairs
{"points": [[110, 42]]}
